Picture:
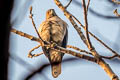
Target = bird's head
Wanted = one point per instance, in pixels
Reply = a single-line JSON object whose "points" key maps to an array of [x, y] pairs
{"points": [[50, 13]]}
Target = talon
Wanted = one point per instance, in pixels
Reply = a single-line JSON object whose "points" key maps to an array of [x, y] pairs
{"points": [[53, 45]]}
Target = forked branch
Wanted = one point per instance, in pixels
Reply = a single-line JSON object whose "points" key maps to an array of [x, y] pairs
{"points": [[90, 46], [87, 5], [105, 45]]}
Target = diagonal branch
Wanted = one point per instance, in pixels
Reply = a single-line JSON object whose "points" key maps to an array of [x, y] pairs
{"points": [[78, 49], [31, 17], [68, 4], [87, 5], [25, 35], [86, 25]]}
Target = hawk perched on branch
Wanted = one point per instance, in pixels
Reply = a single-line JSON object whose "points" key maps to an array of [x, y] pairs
{"points": [[54, 30]]}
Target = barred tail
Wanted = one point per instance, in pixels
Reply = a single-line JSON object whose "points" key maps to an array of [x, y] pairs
{"points": [[56, 69]]}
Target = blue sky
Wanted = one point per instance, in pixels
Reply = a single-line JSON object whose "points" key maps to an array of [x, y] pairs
{"points": [[106, 29]]}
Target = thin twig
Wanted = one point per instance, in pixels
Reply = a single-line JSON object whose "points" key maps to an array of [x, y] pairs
{"points": [[105, 45], [86, 25], [78, 49], [31, 17], [90, 47], [109, 57], [68, 4], [87, 5]]}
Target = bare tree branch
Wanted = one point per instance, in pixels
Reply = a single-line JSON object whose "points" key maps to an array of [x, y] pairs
{"points": [[105, 45], [90, 47], [97, 14], [101, 62], [31, 16], [87, 5]]}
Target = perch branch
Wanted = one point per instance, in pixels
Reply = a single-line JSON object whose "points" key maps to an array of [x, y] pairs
{"points": [[63, 49], [68, 46]]}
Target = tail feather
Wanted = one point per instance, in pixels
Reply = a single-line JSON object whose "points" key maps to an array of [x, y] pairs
{"points": [[56, 69]]}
